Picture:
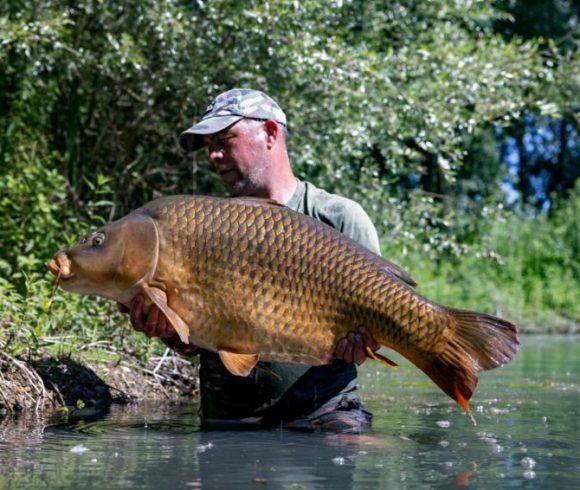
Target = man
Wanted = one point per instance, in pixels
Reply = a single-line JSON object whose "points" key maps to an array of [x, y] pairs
{"points": [[245, 133]]}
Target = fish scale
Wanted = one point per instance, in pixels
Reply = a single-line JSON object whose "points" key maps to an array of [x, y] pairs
{"points": [[217, 220], [253, 280]]}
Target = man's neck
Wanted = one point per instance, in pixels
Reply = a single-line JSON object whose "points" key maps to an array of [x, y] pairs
{"points": [[281, 190], [280, 181]]}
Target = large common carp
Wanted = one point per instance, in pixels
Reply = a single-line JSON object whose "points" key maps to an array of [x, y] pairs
{"points": [[251, 279]]}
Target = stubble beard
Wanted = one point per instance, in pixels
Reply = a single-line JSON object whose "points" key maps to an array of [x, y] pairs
{"points": [[253, 183]]}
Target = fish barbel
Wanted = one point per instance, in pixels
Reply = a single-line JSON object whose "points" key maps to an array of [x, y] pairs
{"points": [[252, 280]]}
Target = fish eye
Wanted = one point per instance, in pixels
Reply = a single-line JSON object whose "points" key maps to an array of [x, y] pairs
{"points": [[98, 240]]}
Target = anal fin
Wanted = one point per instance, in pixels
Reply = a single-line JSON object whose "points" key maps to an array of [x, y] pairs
{"points": [[239, 364]]}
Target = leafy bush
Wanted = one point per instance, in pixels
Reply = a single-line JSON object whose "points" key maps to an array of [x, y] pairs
{"points": [[530, 273], [384, 105]]}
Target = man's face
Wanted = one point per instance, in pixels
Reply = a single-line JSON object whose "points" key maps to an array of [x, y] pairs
{"points": [[240, 157]]}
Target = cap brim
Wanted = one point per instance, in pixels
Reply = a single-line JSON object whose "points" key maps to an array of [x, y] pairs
{"points": [[192, 138]]}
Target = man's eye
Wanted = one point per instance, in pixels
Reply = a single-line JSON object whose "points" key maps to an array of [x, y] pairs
{"points": [[98, 240], [224, 139]]}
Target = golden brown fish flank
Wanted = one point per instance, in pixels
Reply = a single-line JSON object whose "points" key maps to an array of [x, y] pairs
{"points": [[253, 280]]}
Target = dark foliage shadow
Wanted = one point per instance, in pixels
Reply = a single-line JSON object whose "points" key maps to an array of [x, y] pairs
{"points": [[78, 386]]}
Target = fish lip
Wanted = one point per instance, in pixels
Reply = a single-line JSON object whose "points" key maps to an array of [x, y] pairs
{"points": [[55, 269], [60, 277]]}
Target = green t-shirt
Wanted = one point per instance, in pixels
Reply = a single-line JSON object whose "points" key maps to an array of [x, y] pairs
{"points": [[304, 388], [341, 213]]}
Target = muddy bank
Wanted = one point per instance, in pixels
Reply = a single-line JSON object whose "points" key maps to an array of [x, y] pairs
{"points": [[79, 384], [89, 382]]}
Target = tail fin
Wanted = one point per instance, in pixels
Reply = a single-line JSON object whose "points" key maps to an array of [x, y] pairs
{"points": [[478, 342]]}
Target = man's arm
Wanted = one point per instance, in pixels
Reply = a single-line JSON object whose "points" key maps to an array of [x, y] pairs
{"points": [[155, 324], [357, 225]]}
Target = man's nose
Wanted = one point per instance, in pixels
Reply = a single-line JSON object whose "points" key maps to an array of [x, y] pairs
{"points": [[215, 154]]}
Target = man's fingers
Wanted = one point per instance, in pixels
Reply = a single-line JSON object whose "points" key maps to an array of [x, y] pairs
{"points": [[153, 317], [136, 314], [161, 328], [341, 349], [349, 353], [123, 308], [369, 339], [155, 322], [359, 353], [165, 327]]}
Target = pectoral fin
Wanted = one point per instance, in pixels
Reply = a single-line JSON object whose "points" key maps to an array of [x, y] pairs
{"points": [[382, 359], [176, 321], [238, 364]]}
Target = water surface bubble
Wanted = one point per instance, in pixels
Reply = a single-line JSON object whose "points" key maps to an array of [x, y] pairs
{"points": [[444, 424], [497, 411], [527, 463], [339, 461], [496, 448], [490, 440], [79, 449], [202, 448], [529, 474], [444, 443]]}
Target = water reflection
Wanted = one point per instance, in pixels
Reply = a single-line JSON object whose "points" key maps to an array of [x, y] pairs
{"points": [[527, 435]]}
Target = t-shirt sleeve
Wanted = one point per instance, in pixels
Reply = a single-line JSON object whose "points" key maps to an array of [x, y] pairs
{"points": [[357, 225]]}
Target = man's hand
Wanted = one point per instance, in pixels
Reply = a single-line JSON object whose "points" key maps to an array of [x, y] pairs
{"points": [[153, 324], [352, 348]]}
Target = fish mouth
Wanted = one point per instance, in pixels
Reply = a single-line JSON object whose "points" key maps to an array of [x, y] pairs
{"points": [[59, 266]]}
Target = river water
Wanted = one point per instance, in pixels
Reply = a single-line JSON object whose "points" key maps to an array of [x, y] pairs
{"points": [[528, 436]]}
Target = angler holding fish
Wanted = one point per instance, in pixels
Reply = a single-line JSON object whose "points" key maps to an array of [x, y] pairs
{"points": [[249, 279]]}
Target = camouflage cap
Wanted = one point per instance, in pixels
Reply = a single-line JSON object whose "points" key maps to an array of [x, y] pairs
{"points": [[228, 108]]}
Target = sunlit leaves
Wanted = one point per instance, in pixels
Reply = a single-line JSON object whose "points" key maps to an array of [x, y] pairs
{"points": [[379, 95]]}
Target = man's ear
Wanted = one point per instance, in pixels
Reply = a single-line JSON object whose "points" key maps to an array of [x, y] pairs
{"points": [[272, 132]]}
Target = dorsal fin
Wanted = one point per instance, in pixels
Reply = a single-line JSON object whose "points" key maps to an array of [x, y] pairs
{"points": [[256, 201], [400, 273]]}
